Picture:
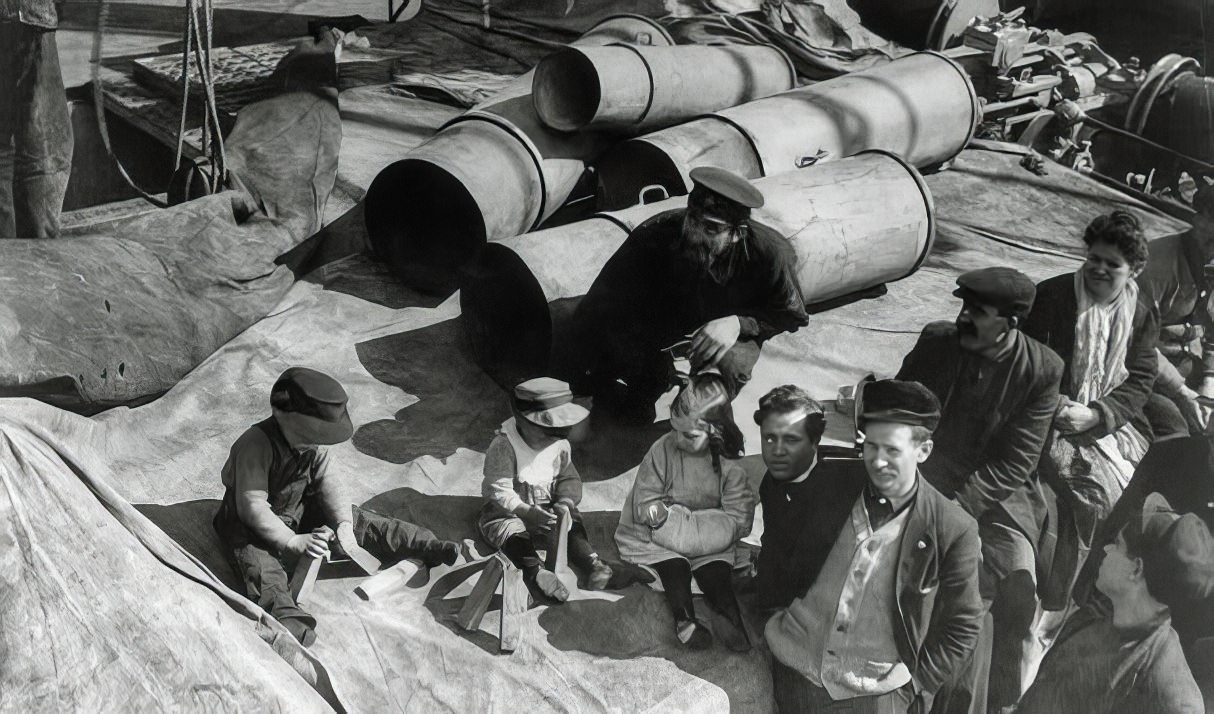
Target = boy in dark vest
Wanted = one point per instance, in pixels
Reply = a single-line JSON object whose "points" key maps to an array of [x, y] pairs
{"points": [[281, 501]]}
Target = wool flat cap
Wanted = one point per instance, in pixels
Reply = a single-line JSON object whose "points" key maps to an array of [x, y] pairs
{"points": [[894, 400], [727, 184], [1178, 553], [1007, 290], [548, 402], [313, 404]]}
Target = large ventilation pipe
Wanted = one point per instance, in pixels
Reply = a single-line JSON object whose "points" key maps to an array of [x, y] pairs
{"points": [[854, 224], [628, 88], [921, 107], [492, 172]]}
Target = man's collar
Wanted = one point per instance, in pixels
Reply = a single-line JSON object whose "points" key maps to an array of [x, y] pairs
{"points": [[805, 475], [1004, 351], [872, 494]]}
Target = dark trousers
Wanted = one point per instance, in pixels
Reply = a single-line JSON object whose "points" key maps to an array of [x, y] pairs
{"points": [[1164, 417], [265, 575], [990, 680], [521, 547], [715, 580], [35, 133], [794, 694]]}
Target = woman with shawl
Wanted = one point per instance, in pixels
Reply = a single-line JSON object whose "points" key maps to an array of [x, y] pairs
{"points": [[1105, 333], [689, 505]]}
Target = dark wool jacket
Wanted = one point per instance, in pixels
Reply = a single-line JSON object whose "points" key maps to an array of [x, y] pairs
{"points": [[646, 294], [791, 535], [1052, 322], [986, 453], [939, 610]]}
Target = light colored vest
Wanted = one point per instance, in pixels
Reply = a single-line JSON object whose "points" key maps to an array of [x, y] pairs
{"points": [[840, 635], [537, 469]]}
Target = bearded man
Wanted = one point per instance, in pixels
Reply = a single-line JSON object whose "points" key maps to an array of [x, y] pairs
{"points": [[705, 281]]}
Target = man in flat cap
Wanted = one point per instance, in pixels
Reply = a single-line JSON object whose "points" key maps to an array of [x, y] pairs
{"points": [[891, 609], [999, 389], [280, 501], [1177, 282], [706, 280], [1123, 657]]}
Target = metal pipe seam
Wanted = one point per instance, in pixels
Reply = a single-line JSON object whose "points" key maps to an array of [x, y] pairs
{"points": [[648, 77], [928, 201]]}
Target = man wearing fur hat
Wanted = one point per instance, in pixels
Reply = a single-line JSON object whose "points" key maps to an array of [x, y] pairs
{"points": [[706, 279], [999, 390], [281, 501], [1126, 658], [892, 609]]}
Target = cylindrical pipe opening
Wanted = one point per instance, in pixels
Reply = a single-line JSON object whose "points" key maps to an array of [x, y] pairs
{"points": [[633, 167], [423, 222], [505, 315], [566, 90]]}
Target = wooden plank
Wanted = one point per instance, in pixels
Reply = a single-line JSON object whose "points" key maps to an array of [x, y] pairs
{"points": [[514, 606], [558, 547], [369, 563], [474, 608], [304, 577], [388, 581]]}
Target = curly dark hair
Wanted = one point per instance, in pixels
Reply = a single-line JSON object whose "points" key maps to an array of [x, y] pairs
{"points": [[790, 398], [1121, 230]]}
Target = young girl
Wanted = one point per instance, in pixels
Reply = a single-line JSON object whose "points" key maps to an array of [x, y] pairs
{"points": [[529, 478], [689, 506]]}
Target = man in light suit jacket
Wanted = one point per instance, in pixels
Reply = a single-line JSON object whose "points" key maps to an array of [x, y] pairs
{"points": [[892, 610]]}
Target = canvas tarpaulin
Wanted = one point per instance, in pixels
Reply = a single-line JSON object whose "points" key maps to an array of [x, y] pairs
{"points": [[102, 611], [424, 416], [114, 315]]}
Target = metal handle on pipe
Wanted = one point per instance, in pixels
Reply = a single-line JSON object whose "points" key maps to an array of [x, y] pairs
{"points": [[652, 187]]}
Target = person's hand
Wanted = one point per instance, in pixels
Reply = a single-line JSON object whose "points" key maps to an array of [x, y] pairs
{"points": [[1076, 419], [657, 513], [345, 537], [1195, 415], [714, 338], [314, 544], [540, 519]]}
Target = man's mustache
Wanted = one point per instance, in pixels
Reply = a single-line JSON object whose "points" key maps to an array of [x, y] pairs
{"points": [[966, 328]]}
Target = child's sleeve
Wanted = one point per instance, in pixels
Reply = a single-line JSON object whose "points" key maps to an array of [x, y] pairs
{"points": [[498, 485], [568, 486], [650, 484], [249, 469]]}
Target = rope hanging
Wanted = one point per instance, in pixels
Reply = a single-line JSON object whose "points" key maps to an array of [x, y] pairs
{"points": [[198, 33]]}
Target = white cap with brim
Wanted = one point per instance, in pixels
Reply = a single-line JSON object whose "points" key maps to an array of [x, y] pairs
{"points": [[548, 402]]}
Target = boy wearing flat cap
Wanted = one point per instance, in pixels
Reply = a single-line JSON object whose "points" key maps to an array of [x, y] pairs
{"points": [[1127, 659], [280, 501], [529, 479], [892, 609], [705, 278]]}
